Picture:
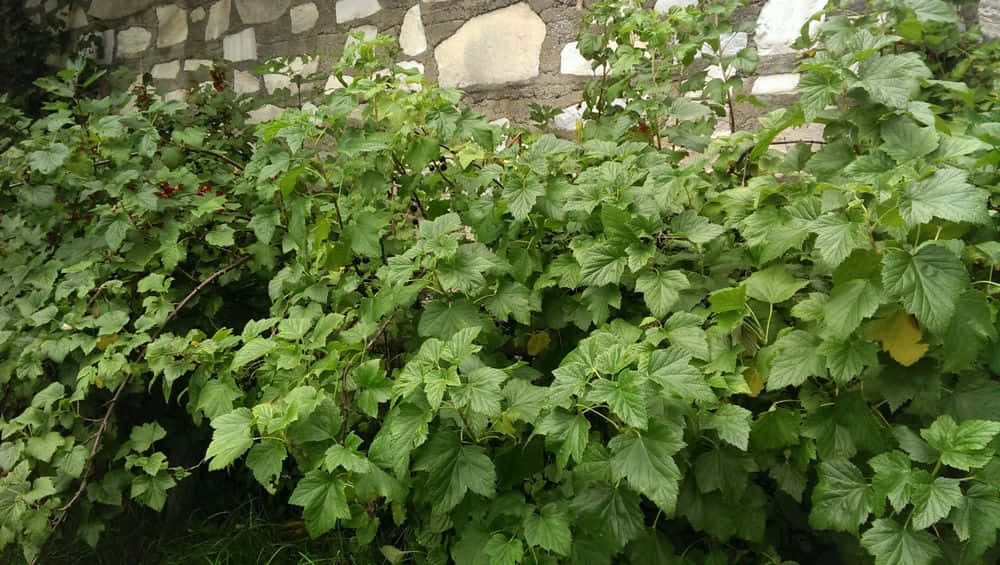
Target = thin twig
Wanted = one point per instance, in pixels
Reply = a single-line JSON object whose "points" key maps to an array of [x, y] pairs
{"points": [[99, 435], [345, 400], [215, 154]]}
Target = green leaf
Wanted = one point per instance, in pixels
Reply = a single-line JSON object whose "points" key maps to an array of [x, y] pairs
{"points": [[972, 327], [837, 236], [947, 195], [601, 264], [773, 285], [264, 460], [905, 140], [963, 446], [143, 437], [624, 397], [846, 359], [364, 234], [513, 299], [892, 477], [565, 433], [151, 490], [503, 550], [521, 195], [696, 229], [728, 299], [251, 351], [321, 496], [850, 303], [231, 438], [441, 318], [892, 544], [732, 422], [797, 358], [216, 398], [933, 11], [842, 500], [346, 456], [116, 232], [614, 509], [661, 290], [671, 369], [892, 79], [549, 529], [454, 469], [47, 161], [43, 447], [646, 461], [481, 391], [928, 282], [933, 498], [221, 235], [977, 519], [775, 429], [818, 89], [422, 149]]}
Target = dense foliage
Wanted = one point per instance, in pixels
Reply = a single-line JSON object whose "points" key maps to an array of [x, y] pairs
{"points": [[453, 342]]}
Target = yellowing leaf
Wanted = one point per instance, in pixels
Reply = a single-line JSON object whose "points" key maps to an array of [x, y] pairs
{"points": [[754, 381], [107, 341], [538, 343], [901, 338]]}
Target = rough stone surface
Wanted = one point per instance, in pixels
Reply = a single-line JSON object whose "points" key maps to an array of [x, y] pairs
{"points": [[165, 71], [108, 40], [411, 34], [218, 19], [112, 9], [197, 14], [571, 62], [349, 10], [303, 17], [730, 43], [273, 82], [245, 83], [665, 5], [779, 23], [196, 64], [367, 31], [172, 25], [77, 19], [989, 18], [498, 47], [240, 46], [775, 84], [261, 11], [175, 95], [133, 41], [264, 114]]}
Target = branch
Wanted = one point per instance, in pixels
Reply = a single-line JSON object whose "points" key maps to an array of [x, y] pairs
{"points": [[215, 154], [85, 476]]}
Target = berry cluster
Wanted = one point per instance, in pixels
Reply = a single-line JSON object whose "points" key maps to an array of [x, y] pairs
{"points": [[167, 191], [440, 165], [218, 80]]}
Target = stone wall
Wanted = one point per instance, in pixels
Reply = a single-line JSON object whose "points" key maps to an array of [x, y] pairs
{"points": [[504, 53]]}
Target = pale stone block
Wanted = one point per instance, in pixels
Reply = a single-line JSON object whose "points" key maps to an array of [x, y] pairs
{"points": [[133, 40], [730, 44], [571, 62], [368, 32], [989, 18], [218, 19], [780, 22], [178, 95], [501, 46], [349, 10], [411, 34], [273, 82], [172, 25], [112, 9], [664, 5], [197, 14], [240, 46], [196, 64], [569, 117], [775, 84], [77, 19], [261, 11], [168, 70], [245, 83], [304, 17], [264, 114], [333, 84]]}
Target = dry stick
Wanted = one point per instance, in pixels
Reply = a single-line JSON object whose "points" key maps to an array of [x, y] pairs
{"points": [[344, 399], [85, 477]]}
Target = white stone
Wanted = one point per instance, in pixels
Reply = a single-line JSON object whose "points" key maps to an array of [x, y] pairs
{"points": [[299, 67], [349, 10], [167, 70], [112, 9], [780, 23], [664, 5], [502, 46], [264, 114], [196, 64], [304, 17], [571, 62], [261, 11], [197, 14], [245, 83], [133, 41], [218, 19], [240, 46], [730, 43], [775, 84], [333, 84], [411, 34], [368, 33], [415, 65], [989, 18], [172, 25], [568, 118], [178, 95]]}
